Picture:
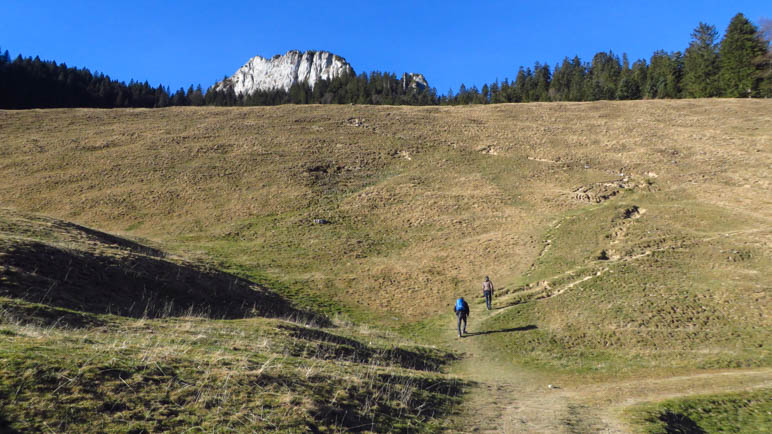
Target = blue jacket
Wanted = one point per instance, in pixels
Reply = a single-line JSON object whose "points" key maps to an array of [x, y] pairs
{"points": [[462, 306]]}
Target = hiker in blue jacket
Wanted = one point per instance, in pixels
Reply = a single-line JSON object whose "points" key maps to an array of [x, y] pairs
{"points": [[462, 312]]}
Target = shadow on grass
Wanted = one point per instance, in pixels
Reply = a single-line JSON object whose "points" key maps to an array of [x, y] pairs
{"points": [[680, 423], [334, 347], [5, 426], [122, 282], [509, 330]]}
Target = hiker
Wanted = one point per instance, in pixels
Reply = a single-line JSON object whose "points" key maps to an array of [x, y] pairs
{"points": [[488, 292], [462, 312]]}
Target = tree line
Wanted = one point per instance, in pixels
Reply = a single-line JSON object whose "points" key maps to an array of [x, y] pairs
{"points": [[375, 88], [34, 83], [740, 65]]}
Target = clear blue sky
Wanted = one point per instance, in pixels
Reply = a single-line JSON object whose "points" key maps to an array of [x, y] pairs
{"points": [[450, 42]]}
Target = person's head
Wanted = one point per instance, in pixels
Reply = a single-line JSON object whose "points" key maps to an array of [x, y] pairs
{"points": [[486, 278]]}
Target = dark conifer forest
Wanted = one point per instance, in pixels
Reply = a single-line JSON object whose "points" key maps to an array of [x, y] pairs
{"points": [[737, 66]]}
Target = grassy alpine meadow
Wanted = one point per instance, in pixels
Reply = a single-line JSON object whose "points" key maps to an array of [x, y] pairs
{"points": [[294, 268]]}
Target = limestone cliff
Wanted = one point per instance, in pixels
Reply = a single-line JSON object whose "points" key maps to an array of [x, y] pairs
{"points": [[282, 71]]}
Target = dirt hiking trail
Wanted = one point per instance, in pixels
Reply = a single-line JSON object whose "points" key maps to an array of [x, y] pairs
{"points": [[507, 398]]}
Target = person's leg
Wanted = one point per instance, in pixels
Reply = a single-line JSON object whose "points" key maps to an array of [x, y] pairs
{"points": [[464, 324], [488, 300], [460, 316]]}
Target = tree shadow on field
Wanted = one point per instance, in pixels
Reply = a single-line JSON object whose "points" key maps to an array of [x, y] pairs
{"points": [[509, 330]]}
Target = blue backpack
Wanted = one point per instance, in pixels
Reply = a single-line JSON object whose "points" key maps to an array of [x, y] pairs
{"points": [[460, 304]]}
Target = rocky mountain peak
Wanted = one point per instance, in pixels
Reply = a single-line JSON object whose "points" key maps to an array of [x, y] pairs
{"points": [[282, 71], [414, 81]]}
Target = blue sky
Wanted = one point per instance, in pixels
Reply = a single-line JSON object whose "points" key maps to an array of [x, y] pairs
{"points": [[199, 42]]}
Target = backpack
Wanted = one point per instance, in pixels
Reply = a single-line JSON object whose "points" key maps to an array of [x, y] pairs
{"points": [[460, 304]]}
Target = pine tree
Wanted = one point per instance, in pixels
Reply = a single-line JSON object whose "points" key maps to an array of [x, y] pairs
{"points": [[603, 77], [561, 81], [161, 97], [765, 63], [701, 63], [664, 75], [506, 91], [495, 93], [741, 47], [541, 82], [195, 96], [449, 97], [577, 76], [519, 88], [179, 98]]}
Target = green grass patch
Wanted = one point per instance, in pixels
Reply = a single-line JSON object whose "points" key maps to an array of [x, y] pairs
{"points": [[177, 374], [659, 297], [747, 412]]}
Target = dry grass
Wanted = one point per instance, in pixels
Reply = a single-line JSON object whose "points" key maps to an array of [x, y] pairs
{"points": [[480, 187], [622, 236]]}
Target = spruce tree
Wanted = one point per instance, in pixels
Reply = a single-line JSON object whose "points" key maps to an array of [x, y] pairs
{"points": [[664, 75], [740, 50], [561, 81], [603, 76], [765, 64], [541, 82], [577, 75], [701, 63], [518, 89], [495, 94]]}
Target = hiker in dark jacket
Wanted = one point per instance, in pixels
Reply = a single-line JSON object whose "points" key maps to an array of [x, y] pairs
{"points": [[488, 292], [462, 312]]}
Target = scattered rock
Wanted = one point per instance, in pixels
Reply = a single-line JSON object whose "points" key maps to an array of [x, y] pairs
{"points": [[321, 222], [631, 212], [597, 193], [490, 150], [356, 122]]}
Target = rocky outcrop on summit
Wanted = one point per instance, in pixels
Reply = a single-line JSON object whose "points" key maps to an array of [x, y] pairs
{"points": [[282, 71], [414, 81]]}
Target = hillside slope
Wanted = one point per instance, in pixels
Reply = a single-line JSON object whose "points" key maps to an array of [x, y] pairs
{"points": [[423, 201], [626, 240], [103, 334], [61, 264]]}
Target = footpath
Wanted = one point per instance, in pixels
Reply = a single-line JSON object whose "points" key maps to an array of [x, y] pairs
{"points": [[507, 398]]}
